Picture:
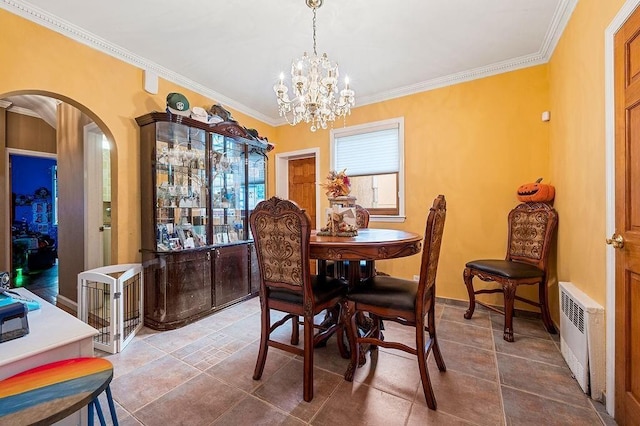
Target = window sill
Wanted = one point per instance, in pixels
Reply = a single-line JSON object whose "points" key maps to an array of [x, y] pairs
{"points": [[396, 219]]}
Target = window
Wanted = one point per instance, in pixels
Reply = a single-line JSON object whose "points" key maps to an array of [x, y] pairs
{"points": [[372, 154]]}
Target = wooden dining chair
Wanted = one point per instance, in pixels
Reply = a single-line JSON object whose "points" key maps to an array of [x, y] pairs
{"points": [[281, 231], [403, 301], [531, 229]]}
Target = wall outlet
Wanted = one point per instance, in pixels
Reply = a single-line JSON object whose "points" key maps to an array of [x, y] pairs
{"points": [[416, 277]]}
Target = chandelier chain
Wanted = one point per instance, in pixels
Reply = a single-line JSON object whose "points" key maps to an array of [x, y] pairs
{"points": [[314, 31]]}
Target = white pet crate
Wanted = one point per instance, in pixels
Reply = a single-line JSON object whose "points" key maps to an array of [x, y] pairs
{"points": [[110, 299], [582, 338]]}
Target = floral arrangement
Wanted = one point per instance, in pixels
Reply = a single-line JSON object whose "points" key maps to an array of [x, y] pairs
{"points": [[338, 184]]}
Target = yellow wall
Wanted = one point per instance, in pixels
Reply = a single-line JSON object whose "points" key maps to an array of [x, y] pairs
{"points": [[109, 91], [475, 142], [577, 148]]}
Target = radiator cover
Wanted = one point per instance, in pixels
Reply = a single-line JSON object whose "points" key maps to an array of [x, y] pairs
{"points": [[582, 339]]}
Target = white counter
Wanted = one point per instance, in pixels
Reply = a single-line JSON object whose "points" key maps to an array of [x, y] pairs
{"points": [[53, 335]]}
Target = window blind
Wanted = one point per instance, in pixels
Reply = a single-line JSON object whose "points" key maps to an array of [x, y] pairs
{"points": [[368, 153]]}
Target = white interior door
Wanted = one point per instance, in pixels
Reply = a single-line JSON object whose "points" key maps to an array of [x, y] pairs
{"points": [[93, 198]]}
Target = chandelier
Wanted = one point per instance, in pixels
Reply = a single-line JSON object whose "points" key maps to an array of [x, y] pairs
{"points": [[314, 84]]}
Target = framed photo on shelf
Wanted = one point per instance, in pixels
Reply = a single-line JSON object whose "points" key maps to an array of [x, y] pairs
{"points": [[221, 234], [175, 244], [188, 236]]}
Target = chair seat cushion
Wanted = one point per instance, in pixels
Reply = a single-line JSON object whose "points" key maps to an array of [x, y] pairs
{"points": [[324, 289], [506, 268], [386, 292]]}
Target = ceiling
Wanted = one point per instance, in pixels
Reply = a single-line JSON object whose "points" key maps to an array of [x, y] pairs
{"points": [[234, 51]]}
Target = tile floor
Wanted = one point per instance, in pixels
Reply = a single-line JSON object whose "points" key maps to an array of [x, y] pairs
{"points": [[201, 375]]}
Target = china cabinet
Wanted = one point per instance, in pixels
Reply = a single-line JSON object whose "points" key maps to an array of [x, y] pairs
{"points": [[199, 184]]}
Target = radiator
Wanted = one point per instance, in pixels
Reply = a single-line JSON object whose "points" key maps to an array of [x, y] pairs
{"points": [[582, 339]]}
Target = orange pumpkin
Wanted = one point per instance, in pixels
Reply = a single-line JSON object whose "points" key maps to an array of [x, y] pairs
{"points": [[536, 192]]}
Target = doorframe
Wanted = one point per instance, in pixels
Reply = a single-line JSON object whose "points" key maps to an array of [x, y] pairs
{"points": [[610, 185], [282, 173], [7, 162]]}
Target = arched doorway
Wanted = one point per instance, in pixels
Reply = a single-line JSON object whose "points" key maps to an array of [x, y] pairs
{"points": [[78, 210]]}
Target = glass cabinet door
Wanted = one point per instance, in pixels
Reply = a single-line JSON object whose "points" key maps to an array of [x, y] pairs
{"points": [[256, 179], [227, 183], [182, 212]]}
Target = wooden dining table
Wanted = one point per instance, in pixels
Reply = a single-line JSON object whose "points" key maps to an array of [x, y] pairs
{"points": [[370, 244]]}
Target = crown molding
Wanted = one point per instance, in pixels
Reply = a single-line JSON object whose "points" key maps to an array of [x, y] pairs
{"points": [[457, 78], [556, 28], [560, 19], [559, 22], [54, 23]]}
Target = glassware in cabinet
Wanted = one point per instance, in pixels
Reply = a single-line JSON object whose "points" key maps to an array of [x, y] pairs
{"points": [[182, 212]]}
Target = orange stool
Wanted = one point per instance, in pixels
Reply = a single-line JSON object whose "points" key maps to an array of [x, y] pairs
{"points": [[51, 392]]}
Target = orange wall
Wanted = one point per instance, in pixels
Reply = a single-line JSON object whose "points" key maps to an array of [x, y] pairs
{"points": [[577, 148], [475, 142]]}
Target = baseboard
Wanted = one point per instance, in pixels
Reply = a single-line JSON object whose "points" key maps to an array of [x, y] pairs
{"points": [[67, 303]]}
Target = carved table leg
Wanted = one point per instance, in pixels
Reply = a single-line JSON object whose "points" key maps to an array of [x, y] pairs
{"points": [[468, 281], [349, 320]]}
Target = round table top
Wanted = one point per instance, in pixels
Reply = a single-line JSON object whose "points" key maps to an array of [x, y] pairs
{"points": [[369, 244]]}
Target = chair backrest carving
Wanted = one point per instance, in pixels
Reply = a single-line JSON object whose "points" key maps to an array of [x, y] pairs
{"points": [[362, 217], [531, 228], [431, 247], [281, 232]]}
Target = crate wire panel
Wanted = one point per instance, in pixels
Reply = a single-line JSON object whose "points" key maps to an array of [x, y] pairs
{"points": [[110, 299]]}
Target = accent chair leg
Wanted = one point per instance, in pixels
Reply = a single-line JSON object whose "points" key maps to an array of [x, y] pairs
{"points": [[544, 306], [468, 282], [509, 299]]}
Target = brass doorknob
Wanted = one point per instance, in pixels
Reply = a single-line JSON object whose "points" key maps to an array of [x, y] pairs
{"points": [[616, 240]]}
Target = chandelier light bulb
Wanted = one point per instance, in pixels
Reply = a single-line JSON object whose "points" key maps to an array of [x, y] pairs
{"points": [[314, 81]]}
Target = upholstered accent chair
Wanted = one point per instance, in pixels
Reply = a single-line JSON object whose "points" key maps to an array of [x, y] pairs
{"points": [[281, 231], [531, 230], [403, 301]]}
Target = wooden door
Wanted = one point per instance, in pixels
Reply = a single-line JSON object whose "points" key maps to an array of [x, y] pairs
{"points": [[627, 110], [302, 189], [302, 185]]}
